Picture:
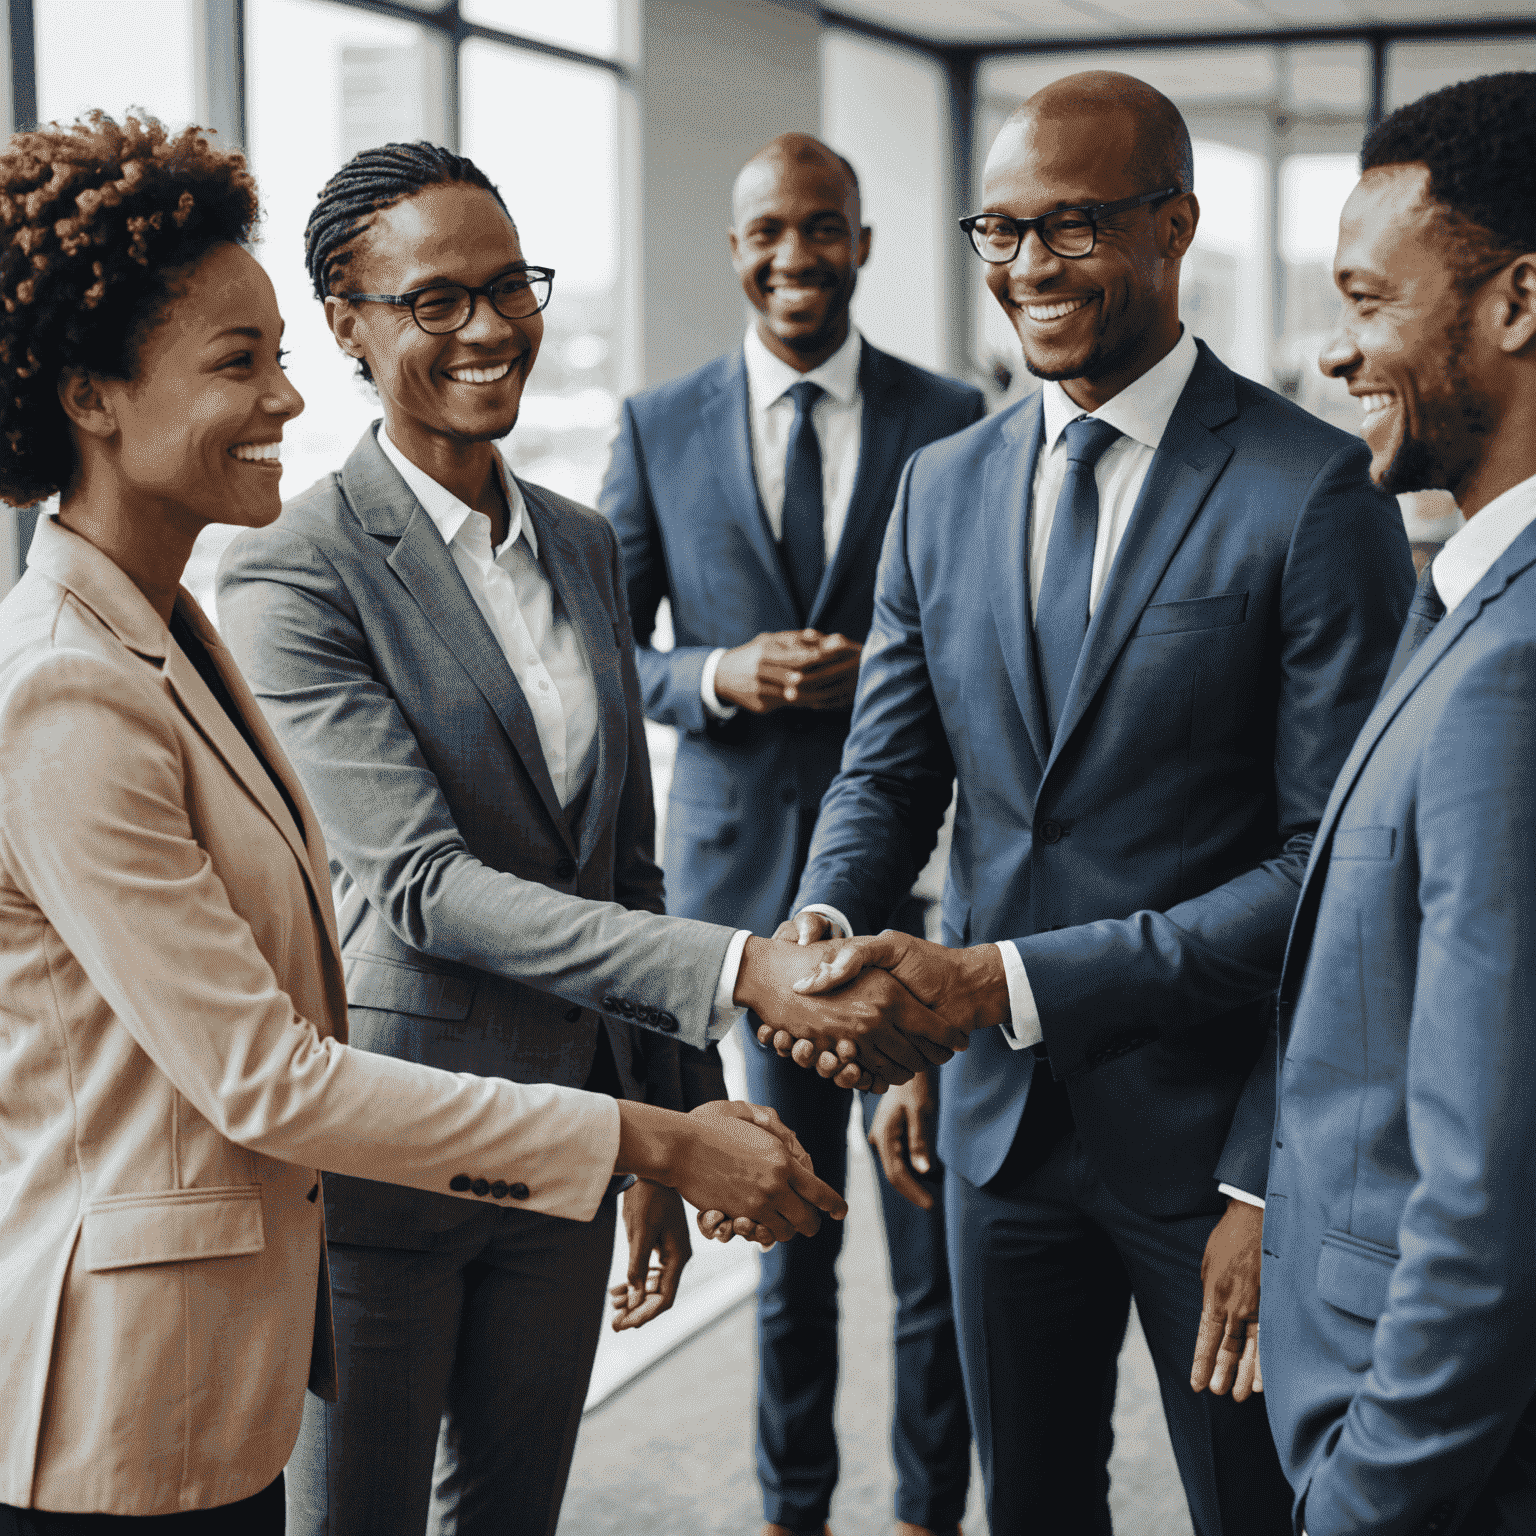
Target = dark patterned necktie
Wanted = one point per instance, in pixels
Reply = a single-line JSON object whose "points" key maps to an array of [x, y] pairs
{"points": [[804, 539], [1424, 613], [1061, 614]]}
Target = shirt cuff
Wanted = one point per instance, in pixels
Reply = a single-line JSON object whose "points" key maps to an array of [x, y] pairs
{"points": [[1021, 1029], [723, 1017], [711, 698], [1241, 1194], [841, 923]]}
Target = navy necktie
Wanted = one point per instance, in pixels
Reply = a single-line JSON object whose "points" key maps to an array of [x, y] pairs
{"points": [[1424, 613], [803, 539], [1061, 614]]}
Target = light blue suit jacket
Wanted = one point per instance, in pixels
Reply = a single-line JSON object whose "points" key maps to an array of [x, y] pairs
{"points": [[1399, 1285], [1146, 861]]}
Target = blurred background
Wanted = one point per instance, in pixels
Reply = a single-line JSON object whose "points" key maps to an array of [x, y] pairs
{"points": [[614, 129]]}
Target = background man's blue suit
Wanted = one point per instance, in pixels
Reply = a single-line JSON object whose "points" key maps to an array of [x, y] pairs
{"points": [[682, 494], [1146, 861], [1399, 1292]]}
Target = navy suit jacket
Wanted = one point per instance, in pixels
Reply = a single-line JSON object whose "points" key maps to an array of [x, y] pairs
{"points": [[1146, 862], [682, 496], [1399, 1283]]}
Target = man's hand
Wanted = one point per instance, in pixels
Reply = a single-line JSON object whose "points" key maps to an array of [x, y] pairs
{"points": [[900, 1134], [718, 1159], [657, 1224], [966, 988], [1227, 1345], [802, 667], [877, 1022], [719, 1227]]}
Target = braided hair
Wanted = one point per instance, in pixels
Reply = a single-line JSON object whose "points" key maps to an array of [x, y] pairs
{"points": [[372, 180], [98, 219]]}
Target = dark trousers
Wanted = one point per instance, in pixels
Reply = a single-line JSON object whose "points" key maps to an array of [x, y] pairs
{"points": [[259, 1515], [797, 1312], [463, 1370], [1045, 1263]]}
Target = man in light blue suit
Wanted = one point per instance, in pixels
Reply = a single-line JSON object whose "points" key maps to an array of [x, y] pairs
{"points": [[1142, 639], [1399, 1286], [753, 495]]}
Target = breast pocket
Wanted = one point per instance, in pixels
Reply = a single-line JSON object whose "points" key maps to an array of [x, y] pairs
{"points": [[1193, 613]]}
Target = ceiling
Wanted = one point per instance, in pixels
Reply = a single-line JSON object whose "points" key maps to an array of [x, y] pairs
{"points": [[1027, 21]]}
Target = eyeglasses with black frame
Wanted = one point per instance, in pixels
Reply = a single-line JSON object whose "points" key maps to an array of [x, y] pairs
{"points": [[442, 308], [1068, 232]]}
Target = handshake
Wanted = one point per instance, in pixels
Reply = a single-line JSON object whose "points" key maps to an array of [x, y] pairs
{"points": [[868, 1012]]}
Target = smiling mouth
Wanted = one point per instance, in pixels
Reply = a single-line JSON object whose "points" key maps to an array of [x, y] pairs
{"points": [[1058, 311], [479, 375], [1375, 407], [258, 453]]}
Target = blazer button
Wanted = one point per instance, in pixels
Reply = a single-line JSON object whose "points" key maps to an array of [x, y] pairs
{"points": [[667, 1022], [481, 1186], [459, 1182], [1050, 831], [499, 1190], [572, 1014], [518, 1191], [610, 1003], [565, 869]]}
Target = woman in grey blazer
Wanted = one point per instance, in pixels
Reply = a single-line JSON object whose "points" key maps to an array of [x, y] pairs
{"points": [[173, 1068]]}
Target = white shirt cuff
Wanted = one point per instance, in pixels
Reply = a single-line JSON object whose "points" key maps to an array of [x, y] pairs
{"points": [[841, 923], [723, 1017], [711, 698], [1241, 1194], [1021, 1029]]}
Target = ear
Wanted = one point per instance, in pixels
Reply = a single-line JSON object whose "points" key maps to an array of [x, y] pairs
{"points": [[89, 407], [343, 320], [1183, 213], [866, 235], [735, 246], [1515, 318]]}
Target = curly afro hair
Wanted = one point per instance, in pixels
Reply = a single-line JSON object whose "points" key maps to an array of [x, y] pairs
{"points": [[1478, 141], [99, 218]]}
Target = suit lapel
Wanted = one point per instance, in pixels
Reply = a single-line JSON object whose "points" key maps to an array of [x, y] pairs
{"points": [[563, 565], [1520, 555], [1186, 465], [730, 442], [1005, 498], [384, 505], [882, 432]]}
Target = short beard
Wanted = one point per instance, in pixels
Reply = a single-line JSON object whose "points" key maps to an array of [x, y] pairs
{"points": [[1100, 361], [1442, 460]]}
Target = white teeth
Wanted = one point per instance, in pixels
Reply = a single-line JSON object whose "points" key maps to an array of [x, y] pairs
{"points": [[480, 375], [1371, 404], [1054, 311], [258, 453]]}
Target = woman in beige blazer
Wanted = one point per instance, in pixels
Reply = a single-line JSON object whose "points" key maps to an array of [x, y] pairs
{"points": [[173, 1075]]}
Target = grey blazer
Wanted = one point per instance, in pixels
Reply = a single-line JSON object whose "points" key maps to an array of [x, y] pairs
{"points": [[481, 931]]}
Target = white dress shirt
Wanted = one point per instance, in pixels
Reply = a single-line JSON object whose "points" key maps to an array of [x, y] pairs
{"points": [[838, 421], [1470, 553], [541, 646]]}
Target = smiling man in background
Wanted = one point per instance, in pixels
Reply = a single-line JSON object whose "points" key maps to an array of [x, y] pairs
{"points": [[1141, 619], [1399, 1274], [753, 495]]}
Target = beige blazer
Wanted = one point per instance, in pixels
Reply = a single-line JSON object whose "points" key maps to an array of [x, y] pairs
{"points": [[172, 1072]]}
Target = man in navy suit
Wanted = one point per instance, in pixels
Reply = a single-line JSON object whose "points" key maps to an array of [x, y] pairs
{"points": [[1399, 1282], [1139, 618], [753, 494]]}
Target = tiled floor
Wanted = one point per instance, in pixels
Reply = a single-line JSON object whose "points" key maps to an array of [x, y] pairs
{"points": [[672, 1453]]}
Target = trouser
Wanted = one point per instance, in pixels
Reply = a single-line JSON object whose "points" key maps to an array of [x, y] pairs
{"points": [[1045, 1263], [463, 1370], [797, 1314], [259, 1515]]}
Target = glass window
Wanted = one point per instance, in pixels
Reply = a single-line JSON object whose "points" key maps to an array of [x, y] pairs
{"points": [[547, 134], [591, 26], [1416, 69], [358, 80], [884, 109], [141, 55], [1223, 295]]}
